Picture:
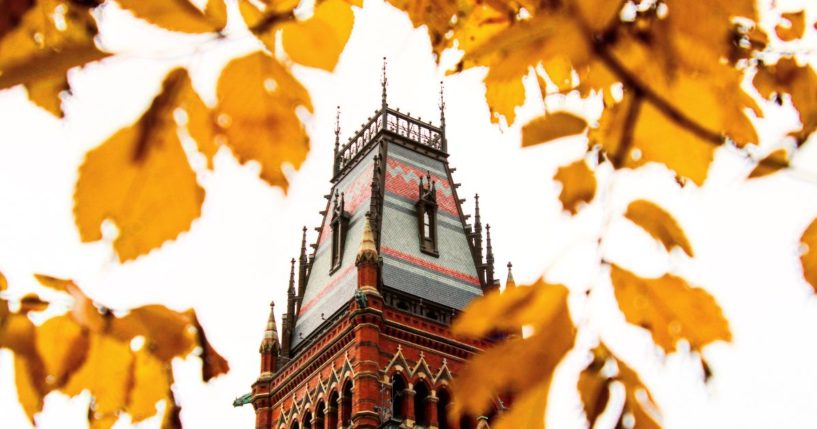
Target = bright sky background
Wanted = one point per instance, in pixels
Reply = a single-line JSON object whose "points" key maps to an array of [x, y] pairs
{"points": [[235, 258]]}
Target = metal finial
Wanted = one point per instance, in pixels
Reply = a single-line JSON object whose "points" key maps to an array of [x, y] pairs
{"points": [[337, 130], [383, 81]]}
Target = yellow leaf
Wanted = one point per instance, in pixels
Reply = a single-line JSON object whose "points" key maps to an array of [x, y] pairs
{"points": [[83, 311], [518, 366], [772, 163], [256, 108], [50, 37], [670, 309], [436, 15], [800, 82], [11, 11], [633, 384], [503, 97], [3, 283], [151, 384], [510, 310], [201, 122], [319, 40], [141, 180], [600, 14], [560, 72], [594, 389], [46, 93], [102, 421], [167, 333], [551, 126], [179, 15], [28, 392], [797, 24], [527, 411], [808, 259], [63, 346], [578, 185], [106, 373], [660, 224]]}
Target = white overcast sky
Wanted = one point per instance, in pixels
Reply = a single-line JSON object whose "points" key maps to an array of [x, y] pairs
{"points": [[235, 258]]}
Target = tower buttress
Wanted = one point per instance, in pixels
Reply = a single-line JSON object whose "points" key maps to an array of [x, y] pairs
{"points": [[303, 262], [489, 261], [478, 242], [289, 321]]}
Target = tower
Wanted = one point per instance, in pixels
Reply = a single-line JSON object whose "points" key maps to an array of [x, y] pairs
{"points": [[366, 340]]}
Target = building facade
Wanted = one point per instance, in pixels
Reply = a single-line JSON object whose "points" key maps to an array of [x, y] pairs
{"points": [[365, 340]]}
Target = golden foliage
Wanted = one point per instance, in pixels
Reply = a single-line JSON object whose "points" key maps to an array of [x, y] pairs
{"points": [[808, 257], [542, 307], [800, 82], [660, 224], [795, 28], [124, 362], [578, 185], [670, 309], [319, 40], [551, 127], [179, 15], [772, 163], [257, 98]]}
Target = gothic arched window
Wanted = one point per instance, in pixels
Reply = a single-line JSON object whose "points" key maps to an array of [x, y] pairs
{"points": [[427, 216], [340, 223]]}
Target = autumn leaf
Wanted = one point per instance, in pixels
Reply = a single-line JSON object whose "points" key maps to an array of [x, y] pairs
{"points": [[578, 185], [29, 392], [808, 257], [150, 385], [212, 363], [660, 224], [670, 309], [257, 98], [83, 310], [167, 333], [496, 371], [32, 302], [633, 404], [594, 387], [772, 163], [3, 283], [319, 40], [797, 24], [106, 374], [63, 345], [179, 15], [551, 127], [800, 82], [45, 40], [141, 180]]}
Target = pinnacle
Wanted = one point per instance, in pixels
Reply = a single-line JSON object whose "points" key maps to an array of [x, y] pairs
{"points": [[368, 250]]}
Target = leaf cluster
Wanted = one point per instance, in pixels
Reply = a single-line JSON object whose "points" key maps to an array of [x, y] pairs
{"points": [[123, 361]]}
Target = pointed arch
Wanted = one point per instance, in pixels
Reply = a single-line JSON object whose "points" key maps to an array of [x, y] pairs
{"points": [[443, 406], [421, 394], [398, 392]]}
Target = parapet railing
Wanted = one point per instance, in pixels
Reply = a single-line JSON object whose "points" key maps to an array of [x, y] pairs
{"points": [[396, 122]]}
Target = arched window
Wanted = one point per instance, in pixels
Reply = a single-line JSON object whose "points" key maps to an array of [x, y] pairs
{"points": [[339, 224], [346, 406], [427, 216], [308, 420], [420, 406], [443, 404], [332, 411], [320, 415], [398, 388], [295, 425]]}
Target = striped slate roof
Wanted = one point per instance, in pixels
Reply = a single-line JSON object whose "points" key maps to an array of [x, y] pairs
{"points": [[450, 279]]}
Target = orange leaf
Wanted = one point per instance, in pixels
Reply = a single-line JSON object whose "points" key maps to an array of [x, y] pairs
{"points": [[594, 387], [797, 24], [638, 407], [551, 127], [212, 363], [63, 346], [151, 384], [578, 185], [179, 15], [670, 309], [106, 373], [83, 311], [167, 333], [808, 259], [772, 163], [319, 40], [660, 224]]}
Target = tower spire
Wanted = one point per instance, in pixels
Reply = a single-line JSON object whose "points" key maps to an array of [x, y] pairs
{"points": [[269, 345], [289, 317], [367, 253], [510, 281], [442, 117], [336, 162], [489, 258], [478, 241], [302, 267], [383, 82]]}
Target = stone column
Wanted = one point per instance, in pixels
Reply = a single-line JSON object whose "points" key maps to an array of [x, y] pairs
{"points": [[330, 421], [431, 409]]}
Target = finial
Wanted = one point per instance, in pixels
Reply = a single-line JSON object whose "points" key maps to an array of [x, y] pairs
{"points": [[292, 277], [368, 251], [510, 282], [383, 81], [337, 130], [489, 257], [442, 105], [270, 341]]}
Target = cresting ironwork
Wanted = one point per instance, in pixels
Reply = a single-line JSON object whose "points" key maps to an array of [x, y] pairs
{"points": [[393, 121]]}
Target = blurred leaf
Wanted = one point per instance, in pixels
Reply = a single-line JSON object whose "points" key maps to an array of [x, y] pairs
{"points": [[800, 82], [551, 127], [32, 302], [772, 163], [808, 257], [167, 333], [578, 185], [319, 40], [179, 15], [660, 224], [63, 345], [106, 373], [594, 387], [3, 283], [670, 309], [519, 366], [257, 98], [797, 24], [83, 311], [632, 403], [150, 385], [41, 42], [212, 363], [141, 180], [29, 393]]}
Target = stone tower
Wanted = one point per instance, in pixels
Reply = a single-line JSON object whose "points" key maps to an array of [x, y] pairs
{"points": [[365, 340]]}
